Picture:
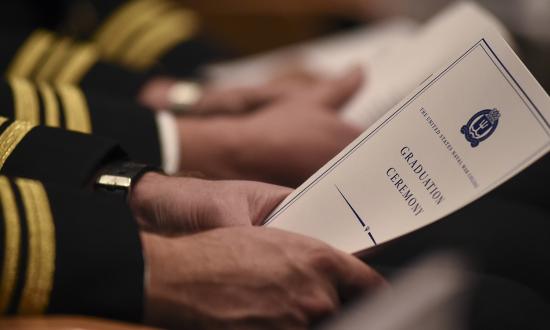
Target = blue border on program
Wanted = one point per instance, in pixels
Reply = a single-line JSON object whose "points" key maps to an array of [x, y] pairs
{"points": [[507, 76]]}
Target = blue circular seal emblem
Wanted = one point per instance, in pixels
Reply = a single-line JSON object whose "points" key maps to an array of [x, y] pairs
{"points": [[482, 125]]}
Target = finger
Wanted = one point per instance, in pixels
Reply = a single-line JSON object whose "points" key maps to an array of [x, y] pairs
{"points": [[354, 277], [348, 132], [237, 100], [246, 99], [320, 301], [265, 200], [232, 100], [296, 76], [336, 92], [259, 96]]}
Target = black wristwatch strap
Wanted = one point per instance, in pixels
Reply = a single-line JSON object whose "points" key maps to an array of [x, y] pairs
{"points": [[119, 177]]}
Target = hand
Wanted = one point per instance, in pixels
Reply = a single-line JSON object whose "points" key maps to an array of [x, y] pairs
{"points": [[231, 100], [176, 205], [288, 82], [283, 143], [247, 278]]}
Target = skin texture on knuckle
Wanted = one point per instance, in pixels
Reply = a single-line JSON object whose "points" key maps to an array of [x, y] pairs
{"points": [[324, 259], [268, 285], [263, 299], [319, 304]]}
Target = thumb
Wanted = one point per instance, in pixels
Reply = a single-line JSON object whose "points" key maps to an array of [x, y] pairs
{"points": [[335, 93], [265, 200]]}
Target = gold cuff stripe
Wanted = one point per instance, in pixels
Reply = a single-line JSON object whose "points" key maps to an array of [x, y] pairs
{"points": [[36, 292], [75, 108], [116, 20], [30, 54], [116, 28], [11, 137], [173, 28], [55, 60], [133, 28], [81, 61], [51, 106], [12, 239], [27, 106]]}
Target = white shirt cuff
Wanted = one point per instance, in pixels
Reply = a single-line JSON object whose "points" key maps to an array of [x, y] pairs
{"points": [[169, 141]]}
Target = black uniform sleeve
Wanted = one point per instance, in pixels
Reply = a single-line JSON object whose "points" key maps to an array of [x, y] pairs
{"points": [[195, 52], [67, 252], [53, 155], [132, 125], [74, 109]]}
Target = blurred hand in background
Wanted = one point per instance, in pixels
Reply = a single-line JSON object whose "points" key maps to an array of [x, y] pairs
{"points": [[283, 142]]}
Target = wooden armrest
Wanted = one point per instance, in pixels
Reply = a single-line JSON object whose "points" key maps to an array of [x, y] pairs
{"points": [[66, 323]]}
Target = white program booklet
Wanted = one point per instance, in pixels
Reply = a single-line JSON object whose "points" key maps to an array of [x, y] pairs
{"points": [[397, 55], [470, 126], [392, 76]]}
